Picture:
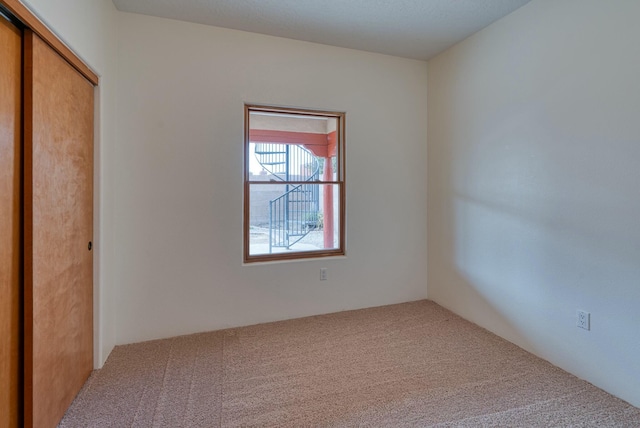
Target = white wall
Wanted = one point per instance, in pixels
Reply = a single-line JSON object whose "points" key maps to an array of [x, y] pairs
{"points": [[179, 149], [534, 195], [88, 28]]}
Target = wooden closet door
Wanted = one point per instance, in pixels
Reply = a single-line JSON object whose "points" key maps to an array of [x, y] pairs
{"points": [[58, 114], [10, 313]]}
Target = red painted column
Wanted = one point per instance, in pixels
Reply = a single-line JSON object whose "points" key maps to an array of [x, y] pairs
{"points": [[327, 204]]}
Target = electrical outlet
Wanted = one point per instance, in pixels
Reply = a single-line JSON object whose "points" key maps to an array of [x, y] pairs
{"points": [[584, 320], [323, 274]]}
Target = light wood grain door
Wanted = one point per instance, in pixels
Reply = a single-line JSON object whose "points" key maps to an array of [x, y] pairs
{"points": [[10, 305], [58, 193]]}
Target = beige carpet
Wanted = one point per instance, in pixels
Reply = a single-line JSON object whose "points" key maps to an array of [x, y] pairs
{"points": [[413, 364]]}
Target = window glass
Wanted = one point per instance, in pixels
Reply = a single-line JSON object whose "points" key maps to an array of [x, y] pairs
{"points": [[294, 184]]}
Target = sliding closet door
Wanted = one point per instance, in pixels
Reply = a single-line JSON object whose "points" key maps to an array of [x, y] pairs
{"points": [[58, 232], [10, 97]]}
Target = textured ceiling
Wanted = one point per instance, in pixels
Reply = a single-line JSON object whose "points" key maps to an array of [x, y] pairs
{"points": [[408, 28]]}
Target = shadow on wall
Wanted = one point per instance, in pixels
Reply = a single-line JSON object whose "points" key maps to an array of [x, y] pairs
{"points": [[533, 228], [524, 269]]}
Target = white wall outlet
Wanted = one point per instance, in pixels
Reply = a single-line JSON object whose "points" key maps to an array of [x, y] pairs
{"points": [[584, 320], [323, 274]]}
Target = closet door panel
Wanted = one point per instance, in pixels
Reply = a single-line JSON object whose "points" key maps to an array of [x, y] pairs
{"points": [[58, 228], [10, 107]]}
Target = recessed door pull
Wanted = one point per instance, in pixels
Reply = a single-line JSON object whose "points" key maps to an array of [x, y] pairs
{"points": [[90, 245]]}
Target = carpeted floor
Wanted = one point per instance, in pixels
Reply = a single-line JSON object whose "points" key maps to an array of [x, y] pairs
{"points": [[413, 364]]}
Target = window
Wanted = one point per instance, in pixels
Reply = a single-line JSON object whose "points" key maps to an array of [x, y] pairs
{"points": [[294, 192]]}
